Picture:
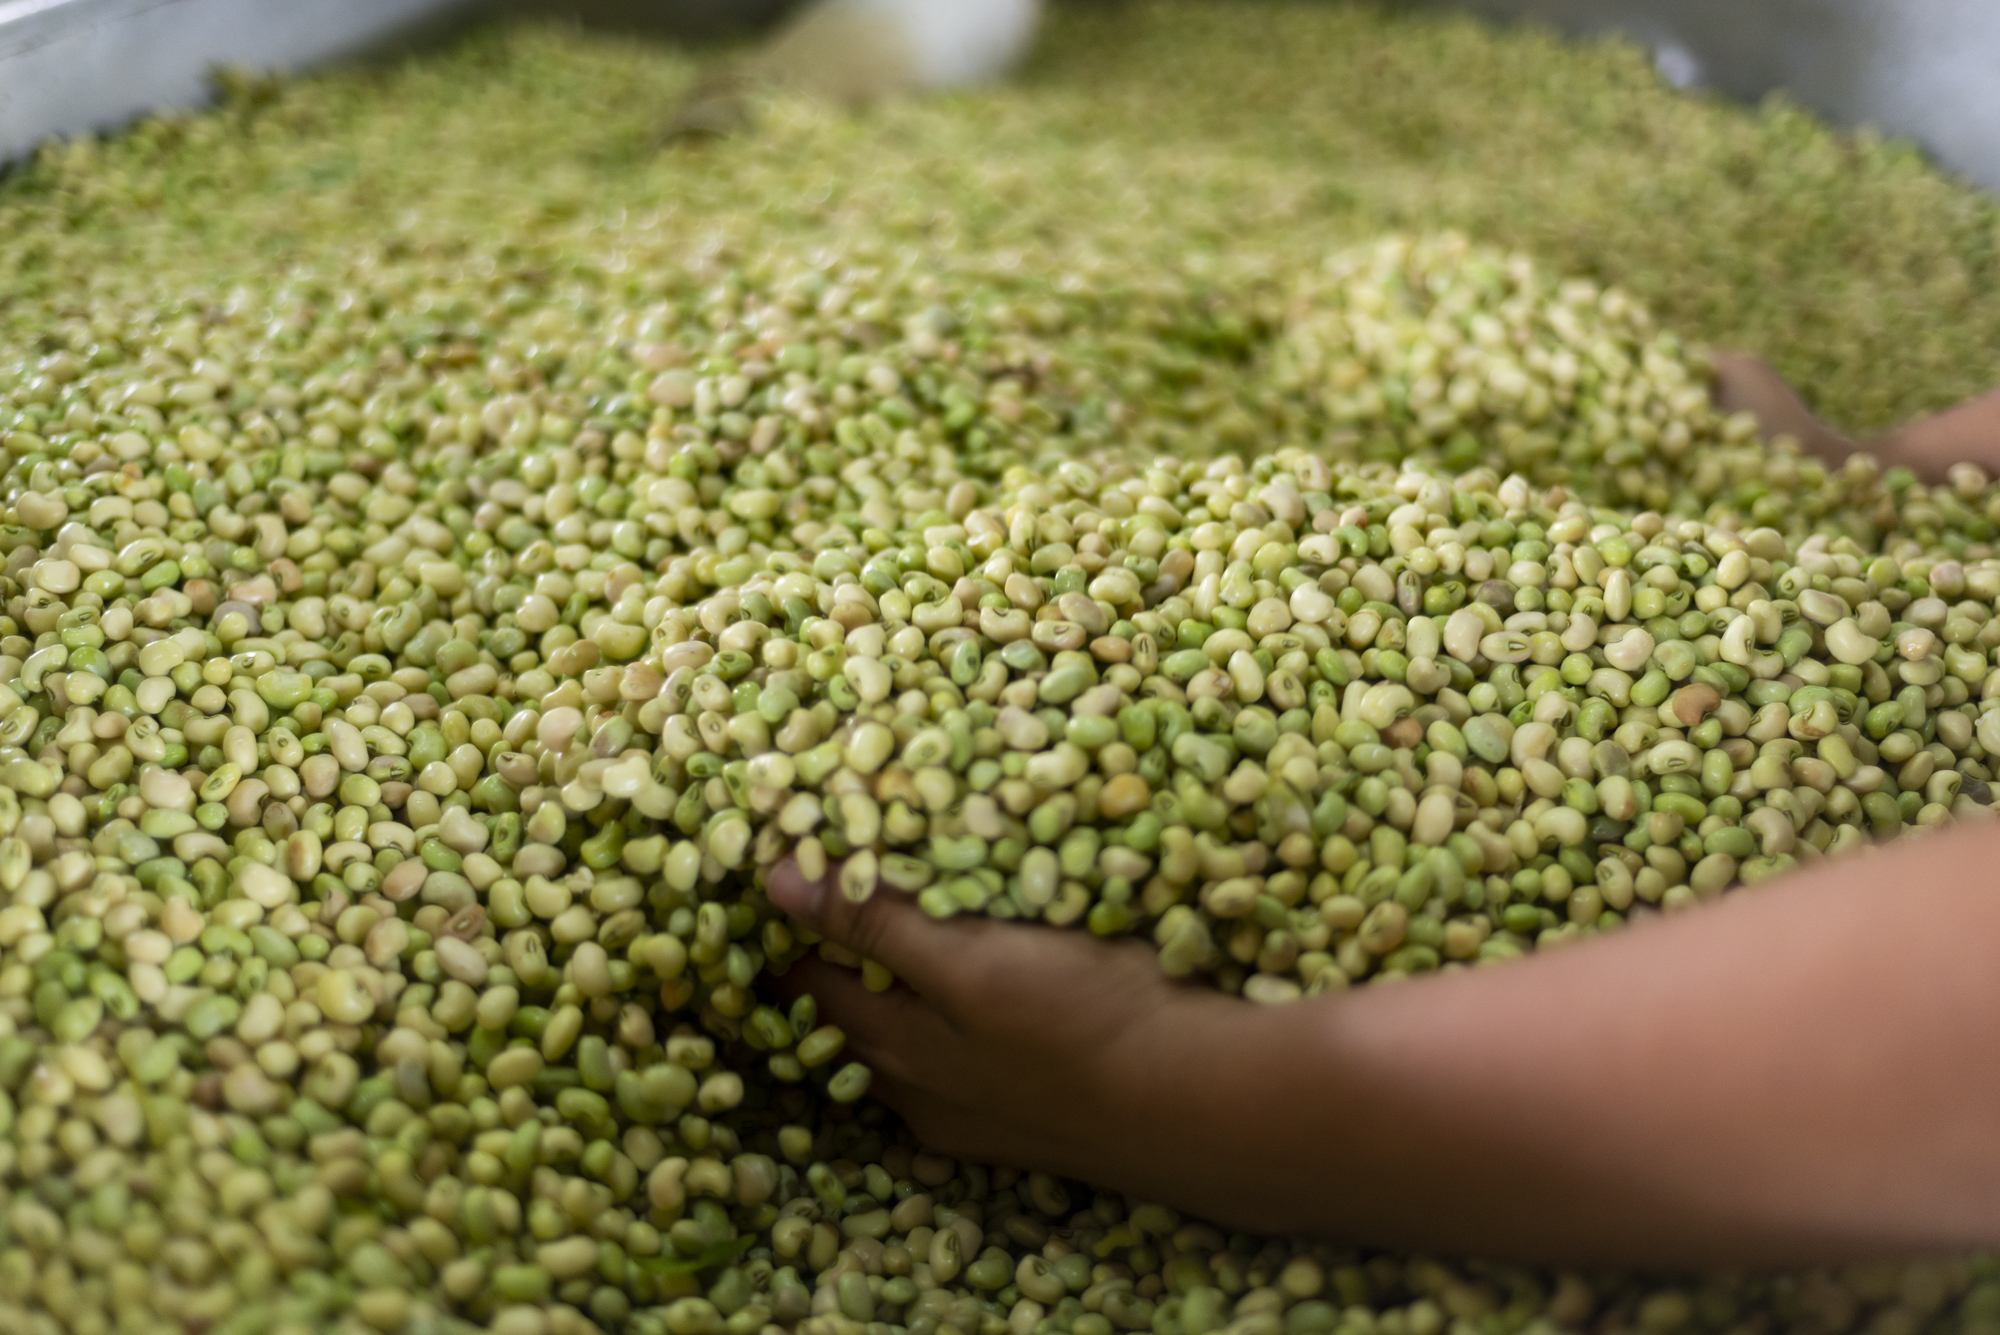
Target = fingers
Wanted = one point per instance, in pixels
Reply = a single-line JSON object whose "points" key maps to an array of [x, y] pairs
{"points": [[889, 928], [946, 1125], [1746, 384], [891, 1031], [843, 1000]]}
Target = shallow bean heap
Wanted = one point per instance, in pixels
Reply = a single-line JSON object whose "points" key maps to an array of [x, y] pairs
{"points": [[1449, 721], [1431, 347], [414, 657]]}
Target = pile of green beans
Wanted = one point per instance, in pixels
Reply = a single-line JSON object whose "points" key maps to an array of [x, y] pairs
{"points": [[413, 659]]}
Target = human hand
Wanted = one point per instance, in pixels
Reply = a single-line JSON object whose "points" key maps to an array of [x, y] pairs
{"points": [[1931, 448], [1036, 1048], [1498, 1111], [1748, 384]]}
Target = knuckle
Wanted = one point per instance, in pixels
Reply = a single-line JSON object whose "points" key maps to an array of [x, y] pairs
{"points": [[868, 929]]}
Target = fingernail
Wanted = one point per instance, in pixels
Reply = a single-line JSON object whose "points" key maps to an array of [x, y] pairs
{"points": [[792, 892]]}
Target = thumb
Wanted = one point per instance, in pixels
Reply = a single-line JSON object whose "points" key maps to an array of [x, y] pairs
{"points": [[887, 927]]}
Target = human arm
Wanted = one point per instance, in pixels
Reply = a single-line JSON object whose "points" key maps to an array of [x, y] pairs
{"points": [[1803, 1072], [1968, 433]]}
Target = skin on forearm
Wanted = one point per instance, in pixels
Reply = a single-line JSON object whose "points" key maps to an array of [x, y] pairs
{"points": [[1802, 1072], [1969, 433], [1805, 1072]]}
